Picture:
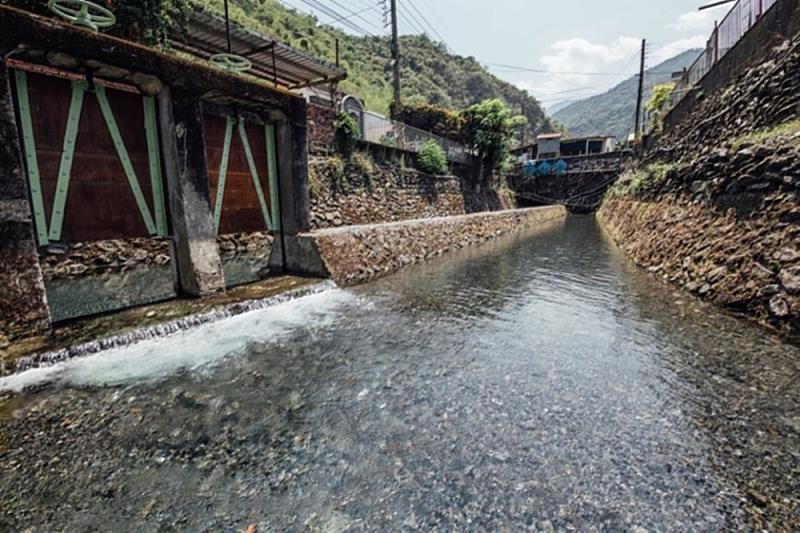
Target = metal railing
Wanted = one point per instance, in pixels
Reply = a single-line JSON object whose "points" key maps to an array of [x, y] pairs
{"points": [[378, 129], [742, 16]]}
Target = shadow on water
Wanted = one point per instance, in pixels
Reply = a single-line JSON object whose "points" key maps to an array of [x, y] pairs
{"points": [[537, 382]]}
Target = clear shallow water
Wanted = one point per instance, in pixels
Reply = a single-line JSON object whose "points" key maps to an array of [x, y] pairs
{"points": [[536, 383]]}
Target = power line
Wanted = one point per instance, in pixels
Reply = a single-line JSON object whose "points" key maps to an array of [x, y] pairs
{"points": [[425, 20], [551, 72], [345, 20], [443, 24], [351, 12], [410, 21], [332, 21]]}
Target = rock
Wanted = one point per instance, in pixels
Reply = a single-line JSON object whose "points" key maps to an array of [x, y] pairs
{"points": [[770, 290], [705, 289], [778, 306], [786, 255], [717, 274], [790, 279]]}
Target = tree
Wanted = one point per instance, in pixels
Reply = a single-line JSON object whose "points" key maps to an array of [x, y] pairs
{"points": [[488, 128], [659, 101]]}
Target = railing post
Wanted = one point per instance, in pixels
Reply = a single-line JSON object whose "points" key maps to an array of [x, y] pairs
{"points": [[716, 42]]}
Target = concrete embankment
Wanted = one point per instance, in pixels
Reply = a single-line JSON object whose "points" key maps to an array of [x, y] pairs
{"points": [[356, 254]]}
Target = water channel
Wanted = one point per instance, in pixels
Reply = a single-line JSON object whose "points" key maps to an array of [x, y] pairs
{"points": [[536, 383]]}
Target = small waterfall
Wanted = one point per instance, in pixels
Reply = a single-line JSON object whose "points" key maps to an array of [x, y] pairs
{"points": [[129, 338]]}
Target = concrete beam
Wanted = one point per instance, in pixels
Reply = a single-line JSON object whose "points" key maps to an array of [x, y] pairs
{"points": [[198, 262], [23, 303]]}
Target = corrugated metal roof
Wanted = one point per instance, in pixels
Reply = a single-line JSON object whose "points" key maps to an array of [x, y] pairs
{"points": [[272, 60]]}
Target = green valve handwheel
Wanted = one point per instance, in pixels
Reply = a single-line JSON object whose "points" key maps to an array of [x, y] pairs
{"points": [[83, 13], [231, 62]]}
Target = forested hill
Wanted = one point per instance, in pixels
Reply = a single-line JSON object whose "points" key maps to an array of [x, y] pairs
{"points": [[429, 72], [613, 113]]}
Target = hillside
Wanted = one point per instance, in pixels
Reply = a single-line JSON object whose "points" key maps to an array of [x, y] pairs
{"points": [[429, 72], [613, 113]]}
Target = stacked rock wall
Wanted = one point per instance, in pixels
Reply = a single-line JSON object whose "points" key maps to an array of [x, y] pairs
{"points": [[347, 194], [715, 206], [361, 253]]}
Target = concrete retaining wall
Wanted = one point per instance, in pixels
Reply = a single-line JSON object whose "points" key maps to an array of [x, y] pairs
{"points": [[357, 254]]}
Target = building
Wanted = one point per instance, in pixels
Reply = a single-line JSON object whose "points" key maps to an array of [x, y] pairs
{"points": [[554, 146]]}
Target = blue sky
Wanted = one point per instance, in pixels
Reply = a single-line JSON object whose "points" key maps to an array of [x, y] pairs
{"points": [[564, 37]]}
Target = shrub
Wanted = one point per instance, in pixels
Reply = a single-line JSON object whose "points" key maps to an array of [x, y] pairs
{"points": [[363, 163], [432, 158], [346, 133]]}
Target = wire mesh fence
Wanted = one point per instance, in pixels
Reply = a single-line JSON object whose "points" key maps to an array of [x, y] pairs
{"points": [[742, 16], [378, 129]]}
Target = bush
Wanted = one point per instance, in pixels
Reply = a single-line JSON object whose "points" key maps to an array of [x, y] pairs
{"points": [[363, 163], [432, 158], [346, 133]]}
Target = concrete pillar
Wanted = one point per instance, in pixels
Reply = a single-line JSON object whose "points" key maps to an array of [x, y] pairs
{"points": [[23, 303], [292, 149], [292, 141], [198, 261]]}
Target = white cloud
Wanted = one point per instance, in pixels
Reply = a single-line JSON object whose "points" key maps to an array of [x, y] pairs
{"points": [[578, 68], [674, 48], [574, 63], [695, 21]]}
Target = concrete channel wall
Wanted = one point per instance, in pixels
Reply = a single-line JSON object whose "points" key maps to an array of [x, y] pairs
{"points": [[356, 254]]}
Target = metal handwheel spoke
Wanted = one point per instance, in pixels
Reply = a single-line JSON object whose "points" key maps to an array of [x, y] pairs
{"points": [[83, 13], [231, 62]]}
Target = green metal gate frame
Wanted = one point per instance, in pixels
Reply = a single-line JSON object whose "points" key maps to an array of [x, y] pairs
{"points": [[156, 225], [271, 214]]}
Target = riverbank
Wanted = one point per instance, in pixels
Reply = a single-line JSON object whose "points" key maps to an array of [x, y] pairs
{"points": [[714, 205], [587, 395], [749, 266]]}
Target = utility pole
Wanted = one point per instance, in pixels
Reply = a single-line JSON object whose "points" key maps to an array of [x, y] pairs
{"points": [[522, 127], [395, 58], [638, 133]]}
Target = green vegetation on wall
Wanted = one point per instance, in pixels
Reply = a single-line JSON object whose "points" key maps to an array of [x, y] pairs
{"points": [[432, 158]]}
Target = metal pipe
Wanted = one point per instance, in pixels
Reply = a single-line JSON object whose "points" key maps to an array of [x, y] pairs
{"points": [[228, 26]]}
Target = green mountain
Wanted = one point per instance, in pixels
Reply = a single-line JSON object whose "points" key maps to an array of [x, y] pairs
{"points": [[429, 72], [613, 113]]}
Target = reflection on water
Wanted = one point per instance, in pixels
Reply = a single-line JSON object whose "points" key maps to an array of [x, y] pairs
{"points": [[109, 291], [535, 383]]}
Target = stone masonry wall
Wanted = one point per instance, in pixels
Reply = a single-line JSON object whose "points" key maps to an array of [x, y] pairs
{"points": [[750, 266], [361, 253], [320, 128], [371, 192], [715, 205]]}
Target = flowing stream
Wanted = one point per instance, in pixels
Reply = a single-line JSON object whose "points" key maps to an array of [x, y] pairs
{"points": [[535, 383]]}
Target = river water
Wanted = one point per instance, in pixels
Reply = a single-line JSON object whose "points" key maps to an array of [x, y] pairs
{"points": [[536, 383]]}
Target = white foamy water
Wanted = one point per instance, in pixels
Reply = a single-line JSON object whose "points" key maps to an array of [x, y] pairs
{"points": [[193, 349]]}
